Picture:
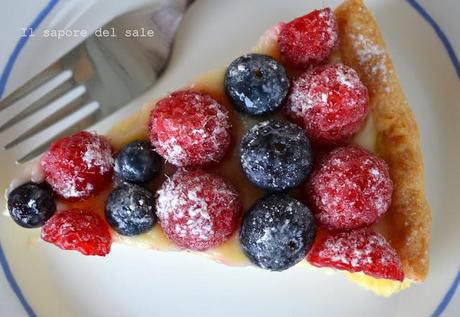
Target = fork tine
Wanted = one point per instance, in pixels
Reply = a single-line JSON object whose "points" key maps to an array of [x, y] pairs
{"points": [[30, 85], [77, 97], [86, 118], [59, 89], [37, 93]]}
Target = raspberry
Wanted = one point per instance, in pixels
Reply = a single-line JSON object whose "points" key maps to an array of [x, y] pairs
{"points": [[78, 166], [309, 39], [349, 188], [79, 230], [330, 102], [198, 210], [360, 250], [190, 129]]}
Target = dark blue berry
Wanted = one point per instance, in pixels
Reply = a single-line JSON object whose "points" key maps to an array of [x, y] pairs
{"points": [[130, 210], [137, 162], [256, 84], [277, 232], [276, 155], [31, 204]]}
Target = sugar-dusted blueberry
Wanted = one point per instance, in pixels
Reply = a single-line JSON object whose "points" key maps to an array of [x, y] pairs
{"points": [[31, 204], [277, 232], [276, 155], [130, 210], [256, 84], [137, 162]]}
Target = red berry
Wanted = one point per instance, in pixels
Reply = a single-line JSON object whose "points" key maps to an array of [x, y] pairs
{"points": [[190, 129], [79, 230], [198, 210], [360, 250], [330, 102], [78, 166], [310, 38], [350, 188]]}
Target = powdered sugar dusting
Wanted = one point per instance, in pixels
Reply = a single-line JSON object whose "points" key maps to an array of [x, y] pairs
{"points": [[197, 210], [373, 57], [96, 156], [70, 189], [331, 27]]}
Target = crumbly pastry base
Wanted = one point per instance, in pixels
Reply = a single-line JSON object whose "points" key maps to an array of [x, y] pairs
{"points": [[406, 225]]}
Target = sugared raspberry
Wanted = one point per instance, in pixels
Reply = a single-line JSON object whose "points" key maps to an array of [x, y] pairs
{"points": [[309, 39], [78, 166], [331, 103], [360, 250], [79, 230], [350, 188], [198, 210], [190, 129]]}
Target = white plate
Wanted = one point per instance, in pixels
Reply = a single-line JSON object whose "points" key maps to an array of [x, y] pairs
{"points": [[133, 282]]}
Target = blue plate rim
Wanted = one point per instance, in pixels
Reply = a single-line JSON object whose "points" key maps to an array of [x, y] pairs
{"points": [[42, 16]]}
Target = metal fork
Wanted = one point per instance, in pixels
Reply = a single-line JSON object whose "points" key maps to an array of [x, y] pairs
{"points": [[97, 77]]}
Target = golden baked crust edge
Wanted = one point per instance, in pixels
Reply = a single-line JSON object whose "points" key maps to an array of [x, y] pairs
{"points": [[408, 221]]}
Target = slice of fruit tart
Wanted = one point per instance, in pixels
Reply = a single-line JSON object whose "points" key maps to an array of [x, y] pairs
{"points": [[303, 151]]}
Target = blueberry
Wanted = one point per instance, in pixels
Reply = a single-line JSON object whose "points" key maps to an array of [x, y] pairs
{"points": [[137, 162], [129, 209], [256, 84], [31, 204], [277, 232], [276, 155]]}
